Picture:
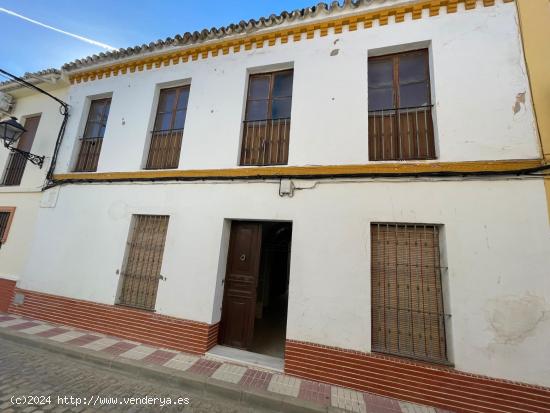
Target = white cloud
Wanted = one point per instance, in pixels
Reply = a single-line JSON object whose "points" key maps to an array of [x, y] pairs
{"points": [[76, 36]]}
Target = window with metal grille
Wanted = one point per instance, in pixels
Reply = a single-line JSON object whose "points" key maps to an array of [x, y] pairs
{"points": [[166, 137], [141, 270], [6, 216], [17, 162], [408, 317], [266, 126], [91, 142], [400, 109]]}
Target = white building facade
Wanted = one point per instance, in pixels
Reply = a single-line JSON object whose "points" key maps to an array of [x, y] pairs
{"points": [[22, 182], [350, 190]]}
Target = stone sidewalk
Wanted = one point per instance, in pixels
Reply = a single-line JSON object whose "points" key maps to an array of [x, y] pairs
{"points": [[250, 386]]}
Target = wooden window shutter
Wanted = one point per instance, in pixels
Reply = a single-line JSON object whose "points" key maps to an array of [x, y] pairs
{"points": [[266, 127], [408, 317], [141, 271], [167, 135], [16, 161], [92, 141], [400, 107]]}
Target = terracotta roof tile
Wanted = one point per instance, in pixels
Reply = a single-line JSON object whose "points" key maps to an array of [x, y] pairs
{"points": [[29, 77], [243, 27]]}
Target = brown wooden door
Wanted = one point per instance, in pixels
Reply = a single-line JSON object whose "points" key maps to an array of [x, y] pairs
{"points": [[241, 280]]}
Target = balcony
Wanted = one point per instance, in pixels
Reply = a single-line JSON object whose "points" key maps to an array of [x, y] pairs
{"points": [[88, 157], [164, 150], [401, 134], [265, 142]]}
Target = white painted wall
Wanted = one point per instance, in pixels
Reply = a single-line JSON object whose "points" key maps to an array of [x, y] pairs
{"points": [[44, 140], [26, 197], [14, 251], [497, 247], [496, 233], [478, 70]]}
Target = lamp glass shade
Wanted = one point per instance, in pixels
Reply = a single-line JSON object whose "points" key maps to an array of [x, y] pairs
{"points": [[11, 131]]}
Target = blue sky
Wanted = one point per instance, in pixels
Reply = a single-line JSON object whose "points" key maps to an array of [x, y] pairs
{"points": [[26, 47]]}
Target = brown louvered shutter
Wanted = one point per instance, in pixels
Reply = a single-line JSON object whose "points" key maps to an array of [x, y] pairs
{"points": [[141, 272], [408, 316]]}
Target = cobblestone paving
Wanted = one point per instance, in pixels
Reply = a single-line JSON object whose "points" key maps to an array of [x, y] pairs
{"points": [[29, 371]]}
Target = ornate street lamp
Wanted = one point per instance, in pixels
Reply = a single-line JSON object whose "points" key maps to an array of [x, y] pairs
{"points": [[10, 132]]}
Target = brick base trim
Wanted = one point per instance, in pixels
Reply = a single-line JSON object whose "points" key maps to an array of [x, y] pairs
{"points": [[7, 290], [143, 326], [411, 381]]}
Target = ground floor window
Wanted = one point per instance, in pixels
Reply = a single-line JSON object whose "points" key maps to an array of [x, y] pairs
{"points": [[6, 216], [143, 261], [408, 317]]}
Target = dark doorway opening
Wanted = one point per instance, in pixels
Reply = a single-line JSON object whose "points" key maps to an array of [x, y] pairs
{"points": [[255, 303], [272, 292]]}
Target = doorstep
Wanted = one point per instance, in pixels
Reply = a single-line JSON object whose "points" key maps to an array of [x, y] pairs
{"points": [[234, 355], [215, 373]]}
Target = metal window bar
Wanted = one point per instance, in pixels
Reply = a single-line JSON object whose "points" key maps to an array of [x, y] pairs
{"points": [[401, 134], [141, 272], [15, 169], [265, 142], [4, 219], [408, 317], [164, 150], [88, 157]]}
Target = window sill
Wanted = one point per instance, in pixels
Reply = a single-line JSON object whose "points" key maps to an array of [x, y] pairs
{"points": [[131, 307], [424, 362]]}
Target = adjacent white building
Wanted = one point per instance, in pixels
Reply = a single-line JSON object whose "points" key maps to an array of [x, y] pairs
{"points": [[348, 191], [22, 182]]}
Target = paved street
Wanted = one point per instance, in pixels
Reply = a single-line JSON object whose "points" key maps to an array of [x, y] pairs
{"points": [[28, 371]]}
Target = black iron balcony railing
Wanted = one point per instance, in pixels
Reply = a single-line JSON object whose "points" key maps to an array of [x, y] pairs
{"points": [[164, 150], [265, 142], [88, 157], [401, 134]]}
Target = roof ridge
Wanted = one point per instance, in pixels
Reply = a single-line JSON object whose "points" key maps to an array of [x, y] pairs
{"points": [[249, 26], [32, 75]]}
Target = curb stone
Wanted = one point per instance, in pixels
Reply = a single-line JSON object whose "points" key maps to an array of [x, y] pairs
{"points": [[200, 384]]}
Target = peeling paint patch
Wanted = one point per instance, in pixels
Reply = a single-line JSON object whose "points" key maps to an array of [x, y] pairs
{"points": [[520, 99], [514, 318]]}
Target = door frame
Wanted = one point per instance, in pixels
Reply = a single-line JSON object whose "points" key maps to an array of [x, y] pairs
{"points": [[224, 267], [249, 323]]}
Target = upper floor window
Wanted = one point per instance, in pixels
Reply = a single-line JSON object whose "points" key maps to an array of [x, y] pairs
{"points": [[16, 162], [90, 144], [267, 119], [165, 145], [6, 216], [400, 110]]}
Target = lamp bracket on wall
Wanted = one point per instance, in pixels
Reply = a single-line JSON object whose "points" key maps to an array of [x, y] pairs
{"points": [[31, 157]]}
